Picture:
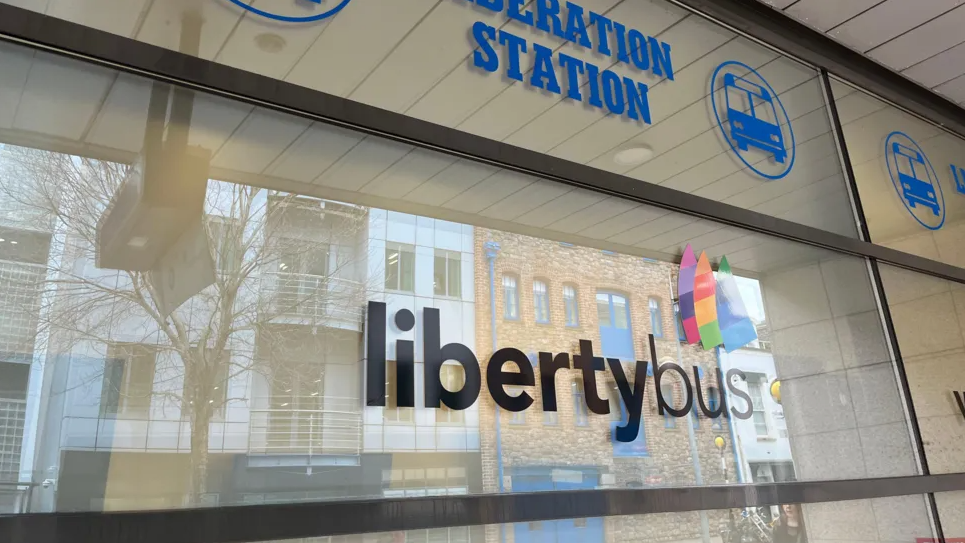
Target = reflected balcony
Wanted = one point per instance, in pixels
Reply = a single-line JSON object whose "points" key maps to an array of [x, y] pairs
{"points": [[306, 430], [298, 298]]}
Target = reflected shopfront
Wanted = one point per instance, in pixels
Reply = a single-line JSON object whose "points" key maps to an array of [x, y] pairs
{"points": [[235, 317]]}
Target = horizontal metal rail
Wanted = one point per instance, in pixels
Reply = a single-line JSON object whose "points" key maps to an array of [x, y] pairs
{"points": [[263, 523]]}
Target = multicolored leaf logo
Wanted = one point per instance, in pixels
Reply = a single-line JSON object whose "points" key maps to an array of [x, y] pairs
{"points": [[711, 310]]}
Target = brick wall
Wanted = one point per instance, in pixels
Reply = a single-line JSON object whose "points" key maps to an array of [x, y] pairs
{"points": [[564, 445]]}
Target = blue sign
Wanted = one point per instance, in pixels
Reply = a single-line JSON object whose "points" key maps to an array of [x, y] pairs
{"points": [[753, 120], [958, 174], [316, 9], [556, 72], [915, 180]]}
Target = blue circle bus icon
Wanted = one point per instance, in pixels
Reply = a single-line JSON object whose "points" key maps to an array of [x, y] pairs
{"points": [[915, 180], [753, 120], [296, 11]]}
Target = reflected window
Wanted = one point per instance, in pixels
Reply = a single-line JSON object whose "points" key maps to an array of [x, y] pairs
{"points": [[510, 297], [213, 392], [128, 379], [516, 417], [616, 338], [581, 415], [571, 305], [669, 421], [399, 267], [392, 412], [755, 387], [713, 402], [225, 234], [619, 417], [541, 302], [656, 319], [447, 274], [681, 335], [452, 378]]}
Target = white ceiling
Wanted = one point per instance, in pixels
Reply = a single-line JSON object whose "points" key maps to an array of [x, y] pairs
{"points": [[921, 39], [414, 60]]}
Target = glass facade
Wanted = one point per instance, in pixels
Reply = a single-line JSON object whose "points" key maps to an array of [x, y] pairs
{"points": [[206, 303]]}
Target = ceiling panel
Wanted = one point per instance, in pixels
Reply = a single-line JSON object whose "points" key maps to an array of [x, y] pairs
{"points": [[15, 66], [938, 69], [451, 182], [44, 106], [253, 46], [888, 20], [408, 173], [124, 113], [921, 40], [262, 137], [162, 24], [827, 14], [954, 90], [314, 152], [365, 34], [108, 15]]}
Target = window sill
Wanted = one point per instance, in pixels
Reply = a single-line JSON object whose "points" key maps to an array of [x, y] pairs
{"points": [[398, 422], [450, 424], [396, 291]]}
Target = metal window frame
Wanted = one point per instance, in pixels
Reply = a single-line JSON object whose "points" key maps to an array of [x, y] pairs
{"points": [[272, 522], [264, 523]]}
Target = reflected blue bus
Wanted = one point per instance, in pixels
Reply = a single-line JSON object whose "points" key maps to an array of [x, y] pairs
{"points": [[916, 187], [753, 117]]}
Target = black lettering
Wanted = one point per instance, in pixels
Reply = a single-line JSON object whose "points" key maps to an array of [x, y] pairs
{"points": [[375, 354], [436, 356], [960, 398], [589, 364], [405, 373], [700, 396], [496, 379], [632, 399], [736, 391], [662, 404], [548, 366]]}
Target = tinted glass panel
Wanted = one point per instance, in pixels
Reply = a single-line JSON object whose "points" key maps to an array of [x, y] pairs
{"points": [[672, 99], [126, 410]]}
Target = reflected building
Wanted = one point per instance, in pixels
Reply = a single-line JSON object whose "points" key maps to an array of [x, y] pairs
{"points": [[280, 360], [549, 296]]}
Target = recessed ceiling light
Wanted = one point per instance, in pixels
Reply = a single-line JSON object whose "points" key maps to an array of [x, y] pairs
{"points": [[631, 156], [270, 43]]}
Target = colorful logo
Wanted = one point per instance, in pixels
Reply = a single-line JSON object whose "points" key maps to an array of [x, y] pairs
{"points": [[295, 13], [711, 310]]}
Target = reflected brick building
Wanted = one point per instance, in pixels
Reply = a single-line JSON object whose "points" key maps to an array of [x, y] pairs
{"points": [[548, 296]]}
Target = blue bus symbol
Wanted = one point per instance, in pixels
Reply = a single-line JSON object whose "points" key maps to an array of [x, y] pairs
{"points": [[329, 9], [752, 120], [915, 180], [755, 127]]}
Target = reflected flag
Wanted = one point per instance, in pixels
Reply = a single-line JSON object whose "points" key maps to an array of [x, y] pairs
{"points": [[711, 309]]}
